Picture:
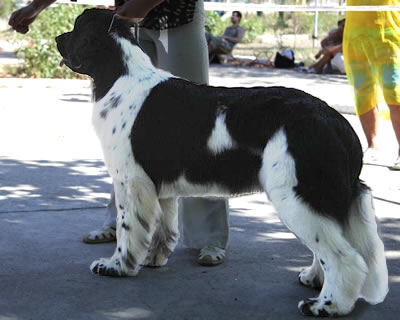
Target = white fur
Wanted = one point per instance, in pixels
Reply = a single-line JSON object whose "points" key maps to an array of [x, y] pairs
{"points": [[182, 187], [278, 169], [220, 139], [363, 235], [312, 276]]}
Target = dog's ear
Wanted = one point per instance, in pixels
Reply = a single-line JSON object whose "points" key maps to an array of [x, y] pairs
{"points": [[120, 26]]}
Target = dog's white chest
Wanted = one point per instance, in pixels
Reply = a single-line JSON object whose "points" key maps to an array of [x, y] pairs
{"points": [[113, 118]]}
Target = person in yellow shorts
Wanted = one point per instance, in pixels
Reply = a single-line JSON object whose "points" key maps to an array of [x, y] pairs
{"points": [[371, 49]]}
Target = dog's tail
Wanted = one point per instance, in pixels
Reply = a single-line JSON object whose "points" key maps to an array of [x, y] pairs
{"points": [[362, 233]]}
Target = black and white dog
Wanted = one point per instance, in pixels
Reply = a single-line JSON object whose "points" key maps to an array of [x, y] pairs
{"points": [[164, 137]]}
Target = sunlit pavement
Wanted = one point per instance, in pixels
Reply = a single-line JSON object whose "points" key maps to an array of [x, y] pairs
{"points": [[54, 188]]}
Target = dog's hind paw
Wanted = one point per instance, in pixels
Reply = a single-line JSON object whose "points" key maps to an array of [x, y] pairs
{"points": [[107, 267], [317, 308]]}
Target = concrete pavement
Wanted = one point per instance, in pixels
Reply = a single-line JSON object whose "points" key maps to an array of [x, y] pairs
{"points": [[54, 188]]}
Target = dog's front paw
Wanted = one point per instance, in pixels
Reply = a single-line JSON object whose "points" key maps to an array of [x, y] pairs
{"points": [[309, 278], [107, 267], [318, 308]]}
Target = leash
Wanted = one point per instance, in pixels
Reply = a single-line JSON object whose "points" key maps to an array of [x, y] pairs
{"points": [[136, 31], [112, 22]]}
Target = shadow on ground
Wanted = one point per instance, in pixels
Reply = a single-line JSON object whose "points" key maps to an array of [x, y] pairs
{"points": [[49, 185], [44, 267]]}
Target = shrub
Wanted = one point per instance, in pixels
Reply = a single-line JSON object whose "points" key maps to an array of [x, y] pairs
{"points": [[303, 23], [254, 26], [214, 23], [39, 50], [6, 7]]}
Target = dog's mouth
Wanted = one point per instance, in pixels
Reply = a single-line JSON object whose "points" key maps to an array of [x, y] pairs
{"points": [[69, 64], [63, 62]]}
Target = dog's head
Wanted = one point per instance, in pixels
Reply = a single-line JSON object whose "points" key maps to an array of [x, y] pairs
{"points": [[91, 47]]}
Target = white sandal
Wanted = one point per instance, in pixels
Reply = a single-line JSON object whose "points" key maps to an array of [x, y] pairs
{"points": [[211, 256], [372, 156], [396, 165], [103, 235]]}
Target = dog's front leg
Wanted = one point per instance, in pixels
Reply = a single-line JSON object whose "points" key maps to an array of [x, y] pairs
{"points": [[167, 235], [138, 216]]}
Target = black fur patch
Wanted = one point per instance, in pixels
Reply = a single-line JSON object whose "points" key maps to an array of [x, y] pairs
{"points": [[103, 113], [145, 243], [125, 226], [326, 151], [130, 260], [114, 101], [142, 222]]}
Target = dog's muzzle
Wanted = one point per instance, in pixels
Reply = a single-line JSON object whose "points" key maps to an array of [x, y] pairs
{"points": [[61, 40]]}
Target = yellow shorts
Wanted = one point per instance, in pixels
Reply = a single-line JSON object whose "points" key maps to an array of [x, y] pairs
{"points": [[373, 69]]}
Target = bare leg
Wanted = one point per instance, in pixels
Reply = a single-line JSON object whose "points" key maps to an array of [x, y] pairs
{"points": [[319, 66], [369, 122], [395, 116]]}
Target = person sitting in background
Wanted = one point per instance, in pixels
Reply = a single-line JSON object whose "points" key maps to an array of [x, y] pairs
{"points": [[224, 44], [330, 56]]}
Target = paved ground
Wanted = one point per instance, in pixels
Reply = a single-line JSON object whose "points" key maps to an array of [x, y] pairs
{"points": [[53, 189]]}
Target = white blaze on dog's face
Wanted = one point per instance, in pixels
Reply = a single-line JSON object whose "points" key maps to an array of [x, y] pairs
{"points": [[90, 48]]}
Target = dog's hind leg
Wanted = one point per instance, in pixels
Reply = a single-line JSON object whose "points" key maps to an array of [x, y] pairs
{"points": [[312, 276], [362, 233], [139, 213], [344, 268], [167, 235]]}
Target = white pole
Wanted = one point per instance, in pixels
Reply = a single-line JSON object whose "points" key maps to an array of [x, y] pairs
{"points": [[315, 33], [247, 7]]}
